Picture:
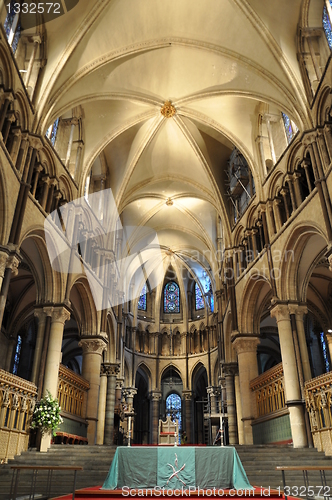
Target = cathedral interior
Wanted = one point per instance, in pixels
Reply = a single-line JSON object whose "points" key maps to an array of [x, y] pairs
{"points": [[130, 288]]}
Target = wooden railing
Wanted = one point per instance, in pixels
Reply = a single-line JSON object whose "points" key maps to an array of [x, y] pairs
{"points": [[318, 396], [72, 392], [17, 403], [269, 391]]}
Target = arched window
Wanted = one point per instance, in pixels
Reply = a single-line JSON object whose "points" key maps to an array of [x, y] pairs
{"points": [[207, 288], [171, 298], [290, 127], [142, 299], [13, 25], [199, 299], [52, 131], [17, 354], [327, 25], [173, 409], [324, 350]]}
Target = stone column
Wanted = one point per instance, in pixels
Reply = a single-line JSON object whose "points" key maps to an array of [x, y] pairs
{"points": [[14, 148], [46, 188], [291, 192], [41, 315], [36, 42], [8, 99], [276, 213], [11, 268], [78, 157], [239, 408], [38, 170], [101, 407], [112, 370], [229, 371], [292, 387], [188, 397], [270, 136], [246, 349], [155, 397], [299, 312], [297, 188], [59, 316], [93, 347], [73, 124]]}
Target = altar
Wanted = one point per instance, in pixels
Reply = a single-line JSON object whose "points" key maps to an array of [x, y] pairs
{"points": [[176, 467]]}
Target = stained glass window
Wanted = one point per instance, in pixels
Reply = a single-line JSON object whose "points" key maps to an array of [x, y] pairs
{"points": [[142, 299], [16, 38], [12, 27], [9, 19], [171, 298], [17, 354], [324, 349], [288, 127], [52, 131], [173, 409], [327, 25], [199, 299]]}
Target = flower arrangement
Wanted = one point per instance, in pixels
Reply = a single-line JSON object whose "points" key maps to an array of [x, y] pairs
{"points": [[46, 416]]}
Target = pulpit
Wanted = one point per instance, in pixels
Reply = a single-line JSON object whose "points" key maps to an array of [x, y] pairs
{"points": [[168, 432]]}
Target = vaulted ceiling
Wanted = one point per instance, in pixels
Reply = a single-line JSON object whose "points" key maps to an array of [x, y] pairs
{"points": [[217, 61]]}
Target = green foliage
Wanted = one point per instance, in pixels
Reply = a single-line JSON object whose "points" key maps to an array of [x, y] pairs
{"points": [[46, 416]]}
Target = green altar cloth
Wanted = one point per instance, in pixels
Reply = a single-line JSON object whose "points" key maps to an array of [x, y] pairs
{"points": [[176, 467]]}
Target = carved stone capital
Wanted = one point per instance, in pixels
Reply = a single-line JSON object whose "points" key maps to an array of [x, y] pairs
{"points": [[298, 310], [119, 383], [35, 142], [12, 263], [280, 312], [112, 369], [155, 396], [60, 315], [93, 344], [129, 392], [229, 369], [40, 314], [245, 343], [3, 261], [187, 395], [48, 311]]}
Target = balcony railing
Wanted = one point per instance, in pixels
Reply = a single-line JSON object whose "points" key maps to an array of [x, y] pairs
{"points": [[269, 391], [17, 403], [72, 392]]}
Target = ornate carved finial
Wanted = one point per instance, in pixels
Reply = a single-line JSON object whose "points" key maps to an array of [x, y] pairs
{"points": [[168, 110]]}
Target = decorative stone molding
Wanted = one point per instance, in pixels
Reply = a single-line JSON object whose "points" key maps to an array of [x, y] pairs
{"points": [[93, 344], [168, 110]]}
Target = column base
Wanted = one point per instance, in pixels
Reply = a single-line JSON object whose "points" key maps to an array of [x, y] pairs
{"points": [[247, 431], [43, 442]]}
